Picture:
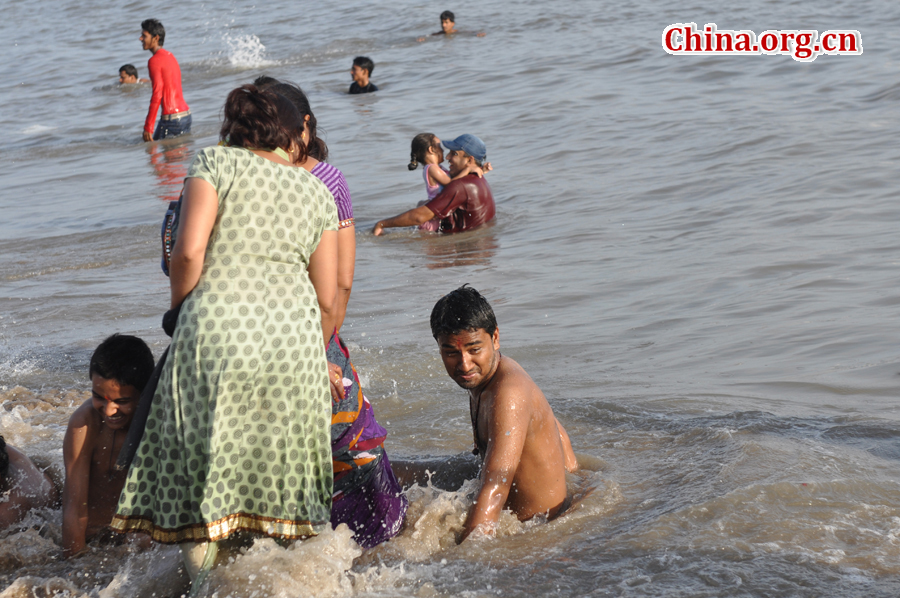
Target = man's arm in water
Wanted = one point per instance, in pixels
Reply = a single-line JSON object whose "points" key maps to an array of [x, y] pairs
{"points": [[507, 432], [413, 217], [77, 450]]}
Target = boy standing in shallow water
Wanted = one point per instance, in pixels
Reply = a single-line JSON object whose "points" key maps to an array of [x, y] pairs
{"points": [[119, 370], [524, 449]]}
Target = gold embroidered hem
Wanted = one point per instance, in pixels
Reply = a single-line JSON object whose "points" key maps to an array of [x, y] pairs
{"points": [[218, 530]]}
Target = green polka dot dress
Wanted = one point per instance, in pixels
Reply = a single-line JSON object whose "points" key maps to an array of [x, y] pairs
{"points": [[238, 437]]}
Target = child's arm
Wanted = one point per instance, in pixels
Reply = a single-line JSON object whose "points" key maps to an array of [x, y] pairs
{"points": [[437, 175], [77, 449]]}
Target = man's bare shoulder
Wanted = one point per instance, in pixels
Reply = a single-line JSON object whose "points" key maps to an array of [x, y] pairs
{"points": [[86, 416], [513, 384]]}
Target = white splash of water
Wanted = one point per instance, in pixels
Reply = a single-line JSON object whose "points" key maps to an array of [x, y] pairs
{"points": [[246, 51], [36, 129]]}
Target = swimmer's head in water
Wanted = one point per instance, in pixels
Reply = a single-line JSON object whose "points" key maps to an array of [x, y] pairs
{"points": [[128, 74], [421, 143], [463, 309], [152, 28], [448, 21], [123, 358]]}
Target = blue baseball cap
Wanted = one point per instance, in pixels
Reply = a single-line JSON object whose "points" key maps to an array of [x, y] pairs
{"points": [[470, 144]]}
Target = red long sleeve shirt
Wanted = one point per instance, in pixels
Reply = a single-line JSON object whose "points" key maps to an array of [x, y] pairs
{"points": [[165, 74]]}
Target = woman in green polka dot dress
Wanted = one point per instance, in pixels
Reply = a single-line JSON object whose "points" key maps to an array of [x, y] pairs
{"points": [[238, 438]]}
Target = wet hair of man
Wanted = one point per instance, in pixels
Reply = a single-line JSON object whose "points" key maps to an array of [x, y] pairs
{"points": [[128, 69], [448, 16], [462, 309], [154, 28], [123, 358], [365, 63]]}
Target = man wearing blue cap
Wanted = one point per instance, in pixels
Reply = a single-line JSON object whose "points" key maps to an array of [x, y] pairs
{"points": [[464, 203]]}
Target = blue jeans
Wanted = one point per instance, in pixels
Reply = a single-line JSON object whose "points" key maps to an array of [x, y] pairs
{"points": [[166, 129]]}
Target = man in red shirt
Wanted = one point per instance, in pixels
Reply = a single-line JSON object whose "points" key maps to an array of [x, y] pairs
{"points": [[165, 75], [464, 203]]}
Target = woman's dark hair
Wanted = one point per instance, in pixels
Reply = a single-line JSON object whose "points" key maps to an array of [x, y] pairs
{"points": [[421, 143], [315, 146], [462, 309], [265, 120], [125, 359], [4, 459], [154, 28]]}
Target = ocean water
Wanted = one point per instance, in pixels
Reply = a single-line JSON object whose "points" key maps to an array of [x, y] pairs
{"points": [[694, 257]]}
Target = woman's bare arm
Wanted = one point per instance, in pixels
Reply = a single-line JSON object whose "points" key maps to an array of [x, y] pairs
{"points": [[199, 207], [323, 273]]}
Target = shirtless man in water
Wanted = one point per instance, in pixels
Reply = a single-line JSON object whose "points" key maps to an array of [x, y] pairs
{"points": [[526, 452], [22, 486], [119, 370]]}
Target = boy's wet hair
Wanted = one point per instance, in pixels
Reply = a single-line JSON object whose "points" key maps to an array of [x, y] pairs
{"points": [[447, 16], [464, 309], [365, 63], [257, 118], [315, 147], [123, 358], [4, 458], [421, 143], [154, 28], [129, 70]]}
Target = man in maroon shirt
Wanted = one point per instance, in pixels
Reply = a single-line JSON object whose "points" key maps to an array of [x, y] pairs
{"points": [[165, 75], [464, 203]]}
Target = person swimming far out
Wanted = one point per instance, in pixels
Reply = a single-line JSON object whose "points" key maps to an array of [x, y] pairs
{"points": [[128, 75], [360, 71], [426, 150], [448, 26]]}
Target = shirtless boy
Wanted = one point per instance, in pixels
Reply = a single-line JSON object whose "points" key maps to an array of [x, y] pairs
{"points": [[128, 75], [22, 486], [119, 370], [448, 26], [525, 451]]}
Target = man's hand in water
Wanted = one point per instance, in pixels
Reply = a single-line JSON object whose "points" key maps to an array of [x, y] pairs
{"points": [[379, 228], [148, 136]]}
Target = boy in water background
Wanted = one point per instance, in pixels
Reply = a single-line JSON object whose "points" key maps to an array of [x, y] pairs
{"points": [[448, 26], [119, 370], [360, 72], [165, 75], [128, 75], [22, 486], [524, 449]]}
